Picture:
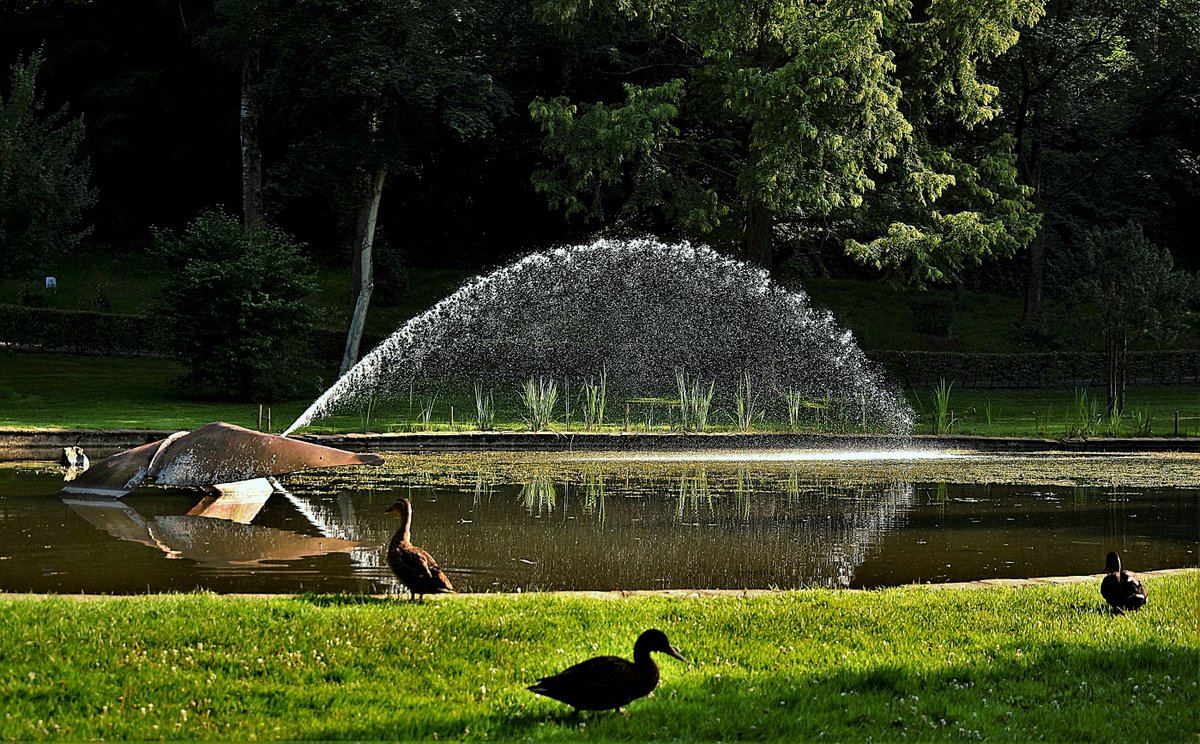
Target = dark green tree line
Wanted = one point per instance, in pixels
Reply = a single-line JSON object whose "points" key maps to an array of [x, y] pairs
{"points": [[44, 176]]}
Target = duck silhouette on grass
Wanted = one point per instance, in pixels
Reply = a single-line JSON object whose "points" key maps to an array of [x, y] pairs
{"points": [[1121, 589], [609, 682]]}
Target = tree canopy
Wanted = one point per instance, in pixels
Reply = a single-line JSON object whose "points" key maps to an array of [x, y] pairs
{"points": [[794, 112], [44, 188]]}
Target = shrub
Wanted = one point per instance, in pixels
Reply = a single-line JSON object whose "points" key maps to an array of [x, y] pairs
{"points": [[236, 307]]}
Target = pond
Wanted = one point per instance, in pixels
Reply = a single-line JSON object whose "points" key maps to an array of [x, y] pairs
{"points": [[605, 521]]}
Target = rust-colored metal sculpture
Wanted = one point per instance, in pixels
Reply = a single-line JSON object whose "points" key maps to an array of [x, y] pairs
{"points": [[216, 457]]}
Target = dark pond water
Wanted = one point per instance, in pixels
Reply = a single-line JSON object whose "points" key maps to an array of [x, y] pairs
{"points": [[503, 522]]}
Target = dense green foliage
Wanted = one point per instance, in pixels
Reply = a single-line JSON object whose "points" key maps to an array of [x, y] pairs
{"points": [[1104, 122], [1096, 92], [236, 307], [1143, 295], [1039, 662], [791, 112], [44, 188]]}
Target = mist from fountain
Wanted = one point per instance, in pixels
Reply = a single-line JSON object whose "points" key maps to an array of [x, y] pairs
{"points": [[639, 310]]}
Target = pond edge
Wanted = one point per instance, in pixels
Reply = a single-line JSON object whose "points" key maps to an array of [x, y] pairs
{"points": [[25, 444], [641, 593]]}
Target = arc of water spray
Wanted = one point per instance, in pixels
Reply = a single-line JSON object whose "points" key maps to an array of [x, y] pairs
{"points": [[623, 302]]}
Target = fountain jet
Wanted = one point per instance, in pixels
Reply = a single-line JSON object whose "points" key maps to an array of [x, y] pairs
{"points": [[640, 310]]}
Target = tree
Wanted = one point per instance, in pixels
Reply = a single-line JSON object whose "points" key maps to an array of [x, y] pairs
{"points": [[363, 88], [1102, 107], [44, 189], [237, 306], [788, 110], [238, 33], [1132, 290]]}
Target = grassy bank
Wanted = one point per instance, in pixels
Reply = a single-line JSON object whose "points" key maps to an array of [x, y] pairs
{"points": [[61, 390], [910, 663]]}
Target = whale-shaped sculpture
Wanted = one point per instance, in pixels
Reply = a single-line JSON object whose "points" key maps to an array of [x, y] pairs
{"points": [[216, 457]]}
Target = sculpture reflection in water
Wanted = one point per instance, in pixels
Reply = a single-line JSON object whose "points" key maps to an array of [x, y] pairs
{"points": [[218, 530]]}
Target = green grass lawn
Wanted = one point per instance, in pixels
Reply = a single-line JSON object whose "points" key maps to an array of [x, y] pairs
{"points": [[62, 390], [910, 663], [1052, 413]]}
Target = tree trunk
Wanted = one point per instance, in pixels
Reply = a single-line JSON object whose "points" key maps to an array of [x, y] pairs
{"points": [[1123, 372], [1031, 317], [756, 234], [252, 200], [1116, 361], [1028, 131], [364, 272]]}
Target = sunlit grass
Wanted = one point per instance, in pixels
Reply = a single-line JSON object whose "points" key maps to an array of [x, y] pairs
{"points": [[64, 390], [1021, 664]]}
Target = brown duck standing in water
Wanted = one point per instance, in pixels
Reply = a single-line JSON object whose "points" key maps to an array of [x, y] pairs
{"points": [[412, 565], [607, 682], [1121, 589]]}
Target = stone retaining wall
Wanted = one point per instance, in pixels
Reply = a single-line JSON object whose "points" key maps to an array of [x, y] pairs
{"points": [[46, 444]]}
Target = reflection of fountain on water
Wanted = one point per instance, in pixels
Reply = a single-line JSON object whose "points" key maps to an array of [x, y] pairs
{"points": [[692, 491], [538, 494], [640, 310], [593, 496], [821, 532]]}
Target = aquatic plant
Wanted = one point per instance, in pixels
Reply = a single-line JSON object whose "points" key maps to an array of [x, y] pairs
{"points": [[1086, 415], [1143, 421], [795, 404], [943, 415], [694, 401], [594, 393], [798, 403], [1043, 421], [427, 411], [366, 413], [1113, 422], [485, 408], [539, 397], [744, 402]]}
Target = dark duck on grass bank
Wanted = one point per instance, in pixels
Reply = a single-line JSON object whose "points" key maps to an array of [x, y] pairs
{"points": [[414, 566], [1121, 589], [607, 682]]}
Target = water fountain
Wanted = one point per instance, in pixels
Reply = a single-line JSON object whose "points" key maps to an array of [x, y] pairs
{"points": [[641, 311]]}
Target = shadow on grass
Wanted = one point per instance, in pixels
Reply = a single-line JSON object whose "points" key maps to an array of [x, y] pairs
{"points": [[1058, 691]]}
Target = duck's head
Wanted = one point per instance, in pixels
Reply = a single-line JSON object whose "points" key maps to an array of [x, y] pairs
{"points": [[1112, 563], [656, 640], [403, 506]]}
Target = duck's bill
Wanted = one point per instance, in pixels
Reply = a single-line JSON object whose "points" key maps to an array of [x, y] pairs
{"points": [[671, 651]]}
